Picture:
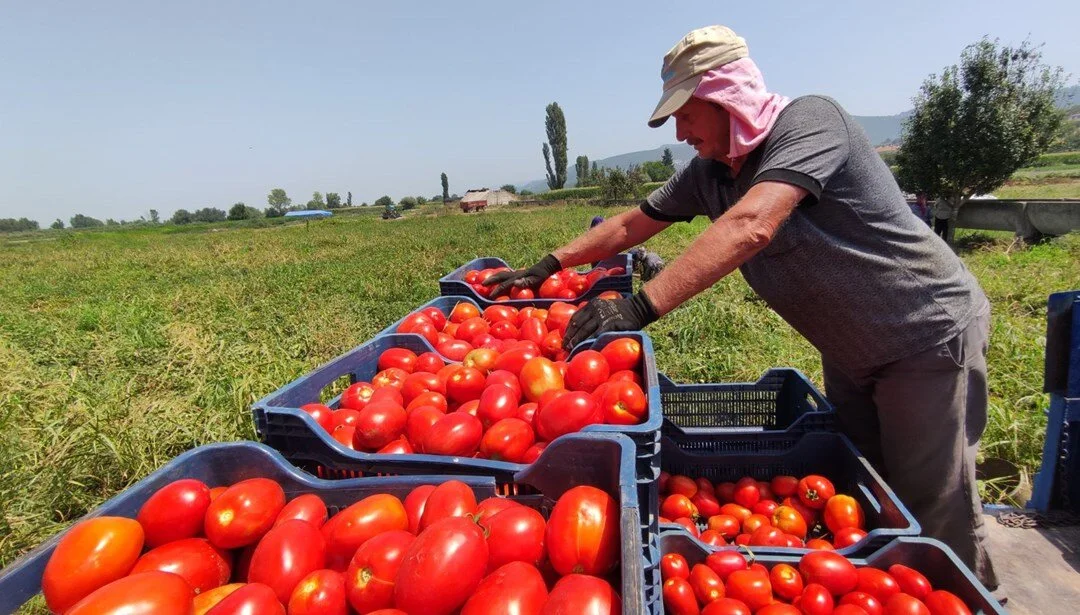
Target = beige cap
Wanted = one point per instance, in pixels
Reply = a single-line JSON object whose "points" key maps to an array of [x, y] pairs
{"points": [[697, 53]]}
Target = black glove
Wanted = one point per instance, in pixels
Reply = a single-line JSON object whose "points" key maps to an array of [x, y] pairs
{"points": [[602, 315], [532, 277]]}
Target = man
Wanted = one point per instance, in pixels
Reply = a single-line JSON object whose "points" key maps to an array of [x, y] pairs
{"points": [[802, 204]]}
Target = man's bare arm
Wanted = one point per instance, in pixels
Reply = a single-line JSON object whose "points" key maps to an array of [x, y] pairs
{"points": [[736, 236], [610, 237]]}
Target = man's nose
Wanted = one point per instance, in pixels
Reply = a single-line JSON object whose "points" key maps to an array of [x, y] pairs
{"points": [[680, 130]]}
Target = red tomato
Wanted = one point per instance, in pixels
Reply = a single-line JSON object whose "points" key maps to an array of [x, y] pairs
{"points": [[539, 375], [369, 517], [369, 581], [847, 537], [558, 316], [726, 606], [419, 421], [628, 375], [534, 452], [491, 507], [500, 313], [728, 526], [785, 581], [746, 492], [392, 377], [712, 537], [465, 384], [534, 330], [869, 604], [815, 491], [751, 587], [401, 358], [768, 536], [726, 562], [505, 331], [428, 398], [450, 499], [842, 511], [551, 347], [464, 311], [674, 565], [623, 353], [514, 360], [552, 288], [308, 507], [288, 553], [815, 600], [903, 604], [160, 593], [706, 583], [175, 511], [216, 491], [682, 485], [515, 588], [457, 434], [581, 594], [320, 593], [379, 424], [322, 414], [783, 486], [345, 417], [436, 316], [779, 608], [819, 544], [515, 535], [788, 520], [706, 504], [400, 446], [527, 412], [624, 403], [587, 370], [765, 507], [567, 413], [676, 506], [583, 532], [246, 511], [808, 514], [877, 583], [415, 503], [679, 598], [754, 522], [429, 362], [249, 599], [522, 293], [848, 609], [419, 383], [941, 602], [356, 396], [725, 492], [198, 562], [496, 403], [92, 554], [208, 599], [827, 568], [442, 568], [507, 440], [911, 581]]}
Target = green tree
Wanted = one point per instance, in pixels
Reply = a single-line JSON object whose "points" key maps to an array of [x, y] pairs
{"points": [[154, 217], [383, 201], [511, 188], [408, 202], [208, 214], [316, 201], [420, 200], [525, 192], [445, 188], [111, 222], [618, 185], [974, 126], [555, 124], [595, 175], [657, 171], [333, 200], [180, 216], [581, 170], [57, 225], [279, 203], [11, 225], [81, 221], [667, 159], [240, 211], [348, 200]]}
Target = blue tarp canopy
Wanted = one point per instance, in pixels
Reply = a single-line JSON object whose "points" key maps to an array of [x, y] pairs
{"points": [[309, 213]]}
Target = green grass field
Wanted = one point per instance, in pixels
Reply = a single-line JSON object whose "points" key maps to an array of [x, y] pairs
{"points": [[121, 349]]}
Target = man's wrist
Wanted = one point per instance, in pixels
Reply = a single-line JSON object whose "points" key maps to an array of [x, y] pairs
{"points": [[646, 306], [550, 265]]}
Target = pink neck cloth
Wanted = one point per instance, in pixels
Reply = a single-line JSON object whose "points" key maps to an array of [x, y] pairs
{"points": [[739, 88]]}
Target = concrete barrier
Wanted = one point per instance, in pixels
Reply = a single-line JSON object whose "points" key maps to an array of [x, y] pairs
{"points": [[1029, 219]]}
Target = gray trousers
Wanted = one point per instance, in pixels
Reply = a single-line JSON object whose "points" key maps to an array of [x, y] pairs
{"points": [[918, 421]]}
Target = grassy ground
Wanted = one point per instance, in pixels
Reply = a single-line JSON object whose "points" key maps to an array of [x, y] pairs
{"points": [[1065, 188], [121, 349]]}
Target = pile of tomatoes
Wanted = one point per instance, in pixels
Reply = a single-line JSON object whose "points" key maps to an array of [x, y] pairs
{"points": [[243, 549], [498, 327], [505, 400], [565, 284], [823, 583], [784, 512]]}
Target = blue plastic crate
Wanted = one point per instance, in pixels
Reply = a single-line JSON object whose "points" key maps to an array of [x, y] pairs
{"points": [[829, 454], [603, 461], [281, 424], [932, 558], [454, 283], [783, 403]]}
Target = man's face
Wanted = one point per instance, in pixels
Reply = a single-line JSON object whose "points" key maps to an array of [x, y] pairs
{"points": [[705, 126]]}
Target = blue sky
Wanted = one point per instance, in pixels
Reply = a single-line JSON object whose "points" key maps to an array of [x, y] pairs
{"points": [[113, 108]]}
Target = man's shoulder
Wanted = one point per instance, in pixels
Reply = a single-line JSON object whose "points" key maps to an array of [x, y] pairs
{"points": [[815, 106]]}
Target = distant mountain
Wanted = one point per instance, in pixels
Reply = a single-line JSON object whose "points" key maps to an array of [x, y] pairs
{"points": [[880, 129]]}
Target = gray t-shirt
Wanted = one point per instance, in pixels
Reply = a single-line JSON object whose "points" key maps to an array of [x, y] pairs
{"points": [[852, 270]]}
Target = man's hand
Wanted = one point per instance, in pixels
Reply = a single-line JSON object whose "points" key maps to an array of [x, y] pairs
{"points": [[602, 315], [532, 277]]}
